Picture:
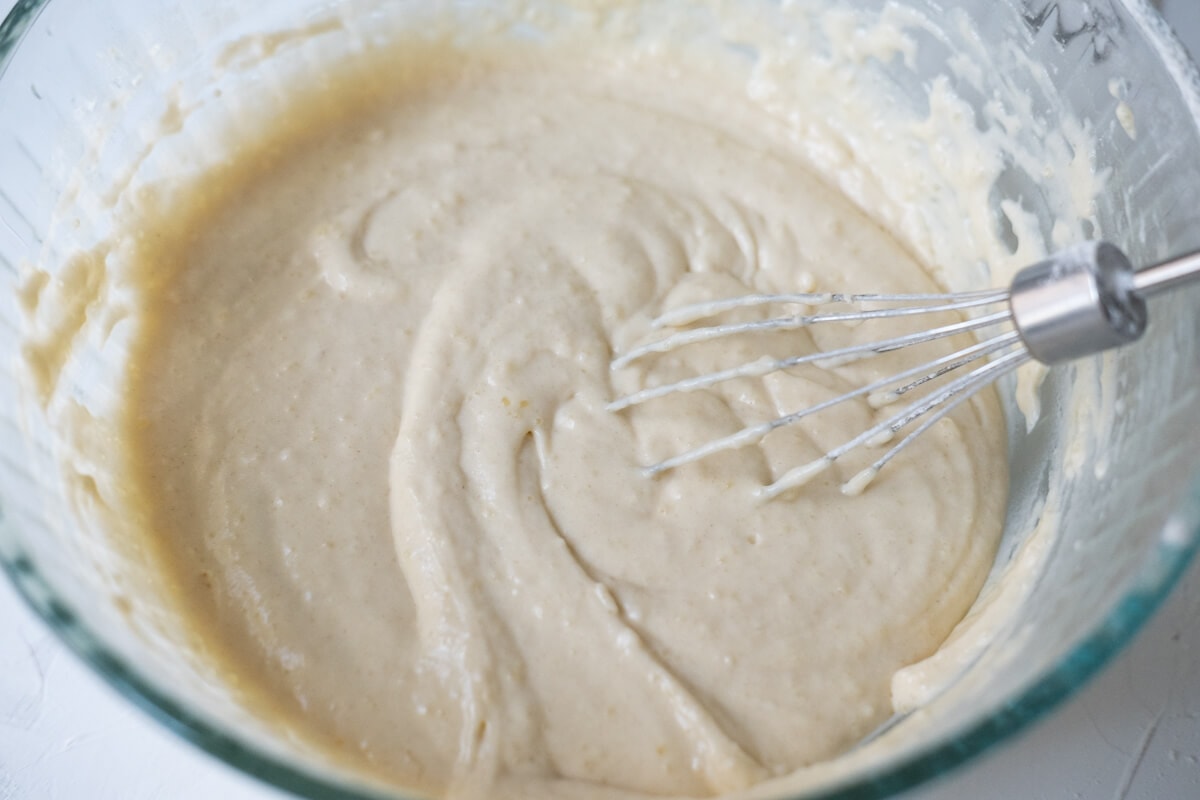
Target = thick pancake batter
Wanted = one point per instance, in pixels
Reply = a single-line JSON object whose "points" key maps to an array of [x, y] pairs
{"points": [[368, 416]]}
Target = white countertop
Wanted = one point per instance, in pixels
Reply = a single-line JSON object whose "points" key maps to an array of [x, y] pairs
{"points": [[1132, 734]]}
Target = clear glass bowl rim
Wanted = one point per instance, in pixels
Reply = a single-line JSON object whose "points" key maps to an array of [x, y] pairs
{"points": [[1059, 683]]}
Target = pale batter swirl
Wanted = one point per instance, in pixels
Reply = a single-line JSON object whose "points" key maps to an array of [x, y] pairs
{"points": [[369, 412]]}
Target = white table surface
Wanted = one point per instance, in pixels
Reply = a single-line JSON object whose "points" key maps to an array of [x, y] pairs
{"points": [[1132, 733]]}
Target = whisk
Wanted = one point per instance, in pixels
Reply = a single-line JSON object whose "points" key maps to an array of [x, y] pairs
{"points": [[1080, 301]]}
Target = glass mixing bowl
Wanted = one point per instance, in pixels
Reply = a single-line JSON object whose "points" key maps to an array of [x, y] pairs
{"points": [[79, 78]]}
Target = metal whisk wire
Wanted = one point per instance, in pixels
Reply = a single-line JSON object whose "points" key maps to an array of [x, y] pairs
{"points": [[794, 322], [1080, 301]]}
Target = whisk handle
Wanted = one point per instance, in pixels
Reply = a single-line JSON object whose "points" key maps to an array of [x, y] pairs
{"points": [[1167, 275], [1088, 298], [1078, 302]]}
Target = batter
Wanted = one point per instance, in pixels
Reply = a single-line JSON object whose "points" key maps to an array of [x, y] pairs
{"points": [[368, 421]]}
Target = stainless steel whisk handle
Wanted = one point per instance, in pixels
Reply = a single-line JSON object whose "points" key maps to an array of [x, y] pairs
{"points": [[1167, 275], [1088, 298]]}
